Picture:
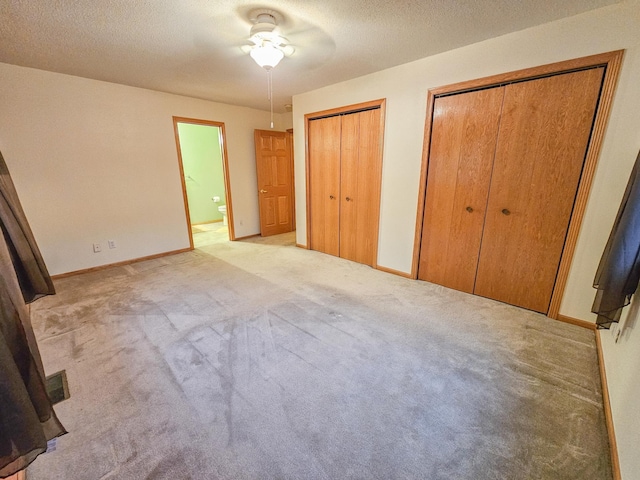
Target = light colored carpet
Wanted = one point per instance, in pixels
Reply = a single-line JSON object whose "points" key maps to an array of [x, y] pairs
{"points": [[260, 360]]}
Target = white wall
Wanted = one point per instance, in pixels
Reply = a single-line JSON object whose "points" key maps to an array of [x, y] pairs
{"points": [[622, 363], [405, 88], [286, 121], [94, 161]]}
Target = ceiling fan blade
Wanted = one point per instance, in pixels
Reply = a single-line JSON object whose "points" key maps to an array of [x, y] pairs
{"points": [[288, 50]]}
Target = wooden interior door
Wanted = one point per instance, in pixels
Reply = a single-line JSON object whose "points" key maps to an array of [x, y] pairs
{"points": [[275, 182], [324, 184], [359, 197], [544, 133], [463, 139]]}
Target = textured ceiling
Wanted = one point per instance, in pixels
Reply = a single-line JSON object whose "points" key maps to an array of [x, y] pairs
{"points": [[193, 47]]}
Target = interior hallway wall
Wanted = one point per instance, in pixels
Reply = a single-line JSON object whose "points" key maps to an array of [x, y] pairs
{"points": [[203, 171], [405, 88], [286, 121], [95, 161]]}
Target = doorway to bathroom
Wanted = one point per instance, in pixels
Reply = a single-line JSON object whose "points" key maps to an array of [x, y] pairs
{"points": [[202, 159]]}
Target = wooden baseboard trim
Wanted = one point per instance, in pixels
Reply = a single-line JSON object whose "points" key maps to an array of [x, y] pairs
{"points": [[247, 236], [299, 245], [606, 403], [392, 271], [577, 321], [119, 264]]}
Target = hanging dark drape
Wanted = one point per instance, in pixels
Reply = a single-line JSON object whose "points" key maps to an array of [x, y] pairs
{"points": [[27, 419], [619, 270]]}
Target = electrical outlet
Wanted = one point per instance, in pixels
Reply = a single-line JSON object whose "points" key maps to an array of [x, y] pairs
{"points": [[112, 243], [97, 248]]}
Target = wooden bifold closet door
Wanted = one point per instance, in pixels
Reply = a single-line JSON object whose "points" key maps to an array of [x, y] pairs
{"points": [[504, 168], [324, 189], [463, 142], [344, 188]]}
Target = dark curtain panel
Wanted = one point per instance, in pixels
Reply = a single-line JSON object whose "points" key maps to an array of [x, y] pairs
{"points": [[27, 419], [31, 271], [619, 270]]}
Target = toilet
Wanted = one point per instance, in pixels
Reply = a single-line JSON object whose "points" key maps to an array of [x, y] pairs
{"points": [[223, 210]]}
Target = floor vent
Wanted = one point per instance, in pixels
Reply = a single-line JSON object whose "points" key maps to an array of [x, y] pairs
{"points": [[57, 387], [51, 445]]}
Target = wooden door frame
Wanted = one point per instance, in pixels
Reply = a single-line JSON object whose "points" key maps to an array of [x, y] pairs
{"points": [[225, 169], [612, 62], [358, 107], [293, 177]]}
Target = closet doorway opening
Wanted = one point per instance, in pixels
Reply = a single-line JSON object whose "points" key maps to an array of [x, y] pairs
{"points": [[204, 172], [507, 167], [344, 178]]}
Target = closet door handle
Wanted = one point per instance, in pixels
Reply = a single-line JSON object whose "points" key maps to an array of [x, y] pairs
{"points": [[506, 211], [332, 197], [469, 209], [263, 191], [348, 199]]}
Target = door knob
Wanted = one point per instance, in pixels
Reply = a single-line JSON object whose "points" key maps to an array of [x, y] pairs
{"points": [[506, 212], [469, 209], [332, 197], [263, 191], [348, 199]]}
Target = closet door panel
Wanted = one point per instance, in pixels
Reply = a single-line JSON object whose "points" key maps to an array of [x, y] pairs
{"points": [[360, 172], [324, 184], [464, 132], [367, 198], [544, 133], [349, 156]]}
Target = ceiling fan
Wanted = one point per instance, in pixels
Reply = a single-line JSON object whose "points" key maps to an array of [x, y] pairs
{"points": [[267, 46]]}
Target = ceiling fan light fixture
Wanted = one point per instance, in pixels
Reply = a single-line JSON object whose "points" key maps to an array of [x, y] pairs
{"points": [[268, 46], [267, 55]]}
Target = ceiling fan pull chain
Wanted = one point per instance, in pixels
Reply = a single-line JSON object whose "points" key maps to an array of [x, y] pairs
{"points": [[270, 87]]}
